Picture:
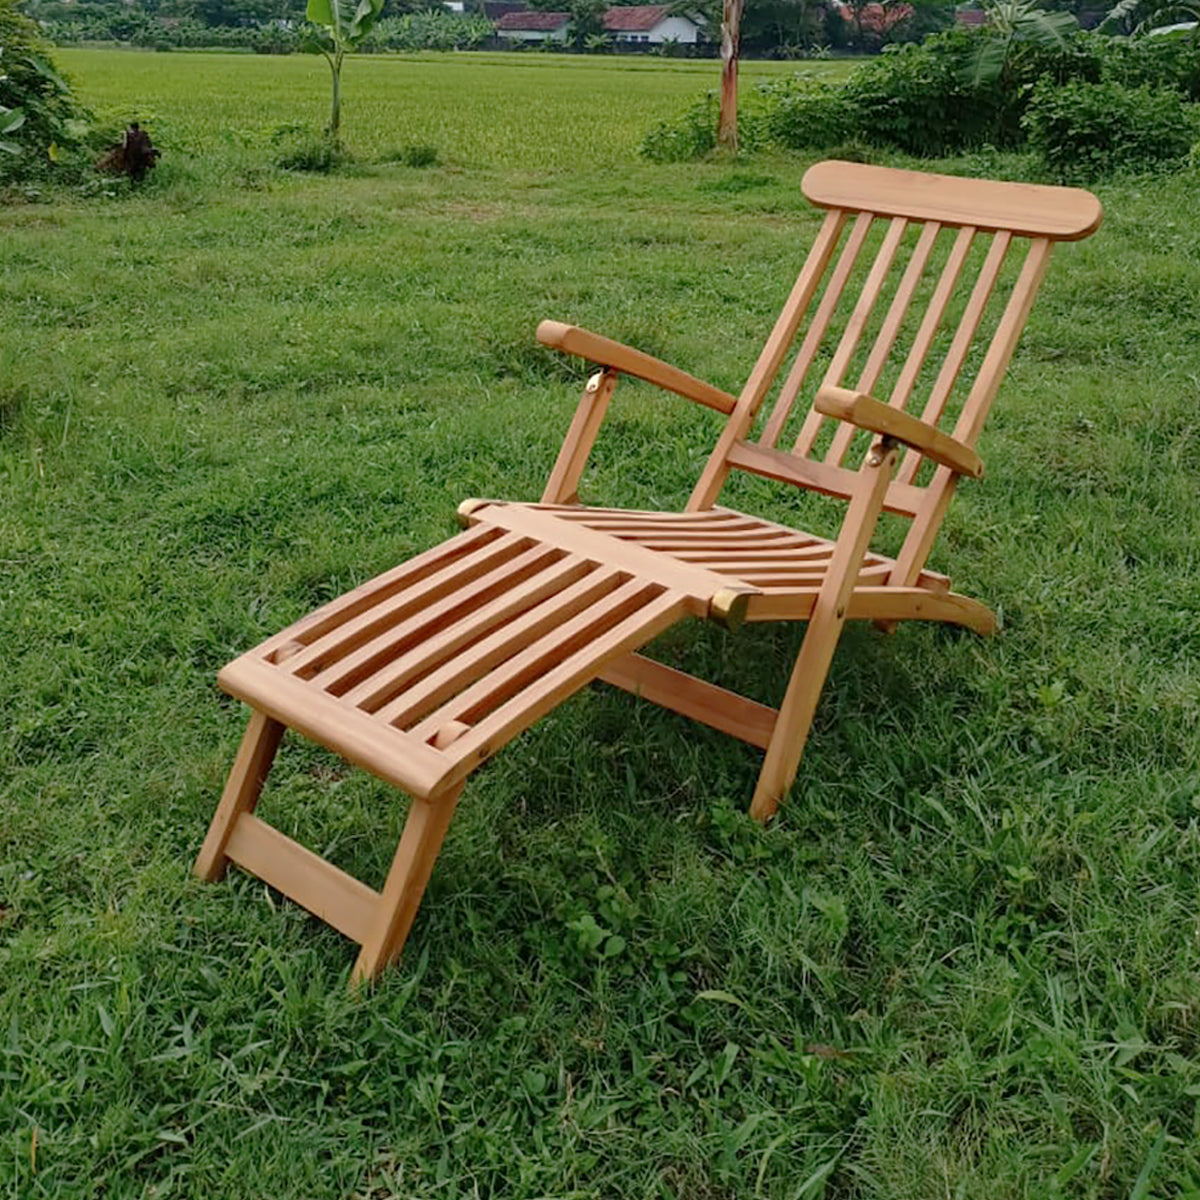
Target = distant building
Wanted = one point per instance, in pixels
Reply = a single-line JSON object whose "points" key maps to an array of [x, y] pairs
{"points": [[534, 26], [648, 24], [652, 24]]}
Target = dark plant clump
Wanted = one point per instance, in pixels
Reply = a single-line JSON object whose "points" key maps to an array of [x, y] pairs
{"points": [[416, 155], [134, 155], [320, 155]]}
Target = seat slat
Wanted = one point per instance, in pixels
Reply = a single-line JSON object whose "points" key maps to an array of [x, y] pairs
{"points": [[422, 621], [463, 670], [556, 646], [366, 595], [646, 621], [400, 670], [344, 637]]}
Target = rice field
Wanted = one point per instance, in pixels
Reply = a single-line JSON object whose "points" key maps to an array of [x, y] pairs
{"points": [[524, 111]]}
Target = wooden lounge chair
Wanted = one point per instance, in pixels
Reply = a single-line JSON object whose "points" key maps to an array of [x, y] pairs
{"points": [[424, 673]]}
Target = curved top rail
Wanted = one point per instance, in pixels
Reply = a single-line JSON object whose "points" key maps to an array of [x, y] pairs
{"points": [[1027, 209]]}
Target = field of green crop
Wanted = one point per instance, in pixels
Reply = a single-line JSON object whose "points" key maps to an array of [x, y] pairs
{"points": [[511, 110], [964, 961]]}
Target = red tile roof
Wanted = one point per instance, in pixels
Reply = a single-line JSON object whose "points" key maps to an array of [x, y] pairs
{"points": [[541, 22], [640, 18]]}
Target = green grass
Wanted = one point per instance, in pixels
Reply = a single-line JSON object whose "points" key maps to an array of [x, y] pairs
{"points": [[964, 960]]}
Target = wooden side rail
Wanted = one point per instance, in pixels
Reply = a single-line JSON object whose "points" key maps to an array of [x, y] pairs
{"points": [[868, 413], [605, 352]]}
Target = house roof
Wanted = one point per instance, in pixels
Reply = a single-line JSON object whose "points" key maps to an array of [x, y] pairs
{"points": [[540, 22], [638, 18]]}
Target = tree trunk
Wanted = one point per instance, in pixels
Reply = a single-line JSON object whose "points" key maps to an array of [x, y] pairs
{"points": [[335, 111], [731, 37]]}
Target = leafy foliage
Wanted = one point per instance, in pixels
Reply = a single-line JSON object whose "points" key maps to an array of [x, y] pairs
{"points": [[966, 90], [1012, 24], [693, 133], [809, 113], [39, 119], [1086, 130], [343, 24]]}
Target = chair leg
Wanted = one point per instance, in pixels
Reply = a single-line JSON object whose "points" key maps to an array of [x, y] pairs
{"points": [[411, 867], [796, 714], [824, 628], [242, 790]]}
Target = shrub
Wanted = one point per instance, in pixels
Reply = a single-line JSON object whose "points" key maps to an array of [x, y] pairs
{"points": [[1161, 62], [921, 99], [1082, 131], [691, 135], [808, 113], [302, 150], [417, 155], [40, 124]]}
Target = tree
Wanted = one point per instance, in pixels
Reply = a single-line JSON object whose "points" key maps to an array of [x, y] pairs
{"points": [[345, 23], [1011, 23], [731, 37], [1154, 16], [587, 22]]}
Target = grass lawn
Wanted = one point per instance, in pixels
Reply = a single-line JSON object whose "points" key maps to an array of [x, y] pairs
{"points": [[965, 959]]}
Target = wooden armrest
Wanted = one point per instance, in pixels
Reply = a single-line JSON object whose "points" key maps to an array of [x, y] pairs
{"points": [[573, 340], [868, 413]]}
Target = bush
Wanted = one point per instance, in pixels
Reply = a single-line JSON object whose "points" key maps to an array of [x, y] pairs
{"points": [[808, 113], [412, 156], [691, 135], [1082, 131], [302, 150], [40, 124], [1161, 62]]}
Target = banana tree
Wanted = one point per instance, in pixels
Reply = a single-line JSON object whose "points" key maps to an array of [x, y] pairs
{"points": [[345, 23], [1009, 24]]}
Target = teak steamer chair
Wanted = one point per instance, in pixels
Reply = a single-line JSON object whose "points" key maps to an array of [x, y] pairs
{"points": [[427, 671]]}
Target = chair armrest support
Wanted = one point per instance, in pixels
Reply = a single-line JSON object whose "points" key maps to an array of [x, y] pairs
{"points": [[607, 353], [866, 412]]}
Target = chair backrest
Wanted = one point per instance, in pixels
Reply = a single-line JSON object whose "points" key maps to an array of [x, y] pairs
{"points": [[918, 292]]}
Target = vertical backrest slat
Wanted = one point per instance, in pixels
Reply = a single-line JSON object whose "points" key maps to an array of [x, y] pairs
{"points": [[938, 494], [964, 335], [888, 333], [780, 341], [931, 322], [852, 335], [1004, 341], [929, 318], [816, 331], [716, 470]]}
